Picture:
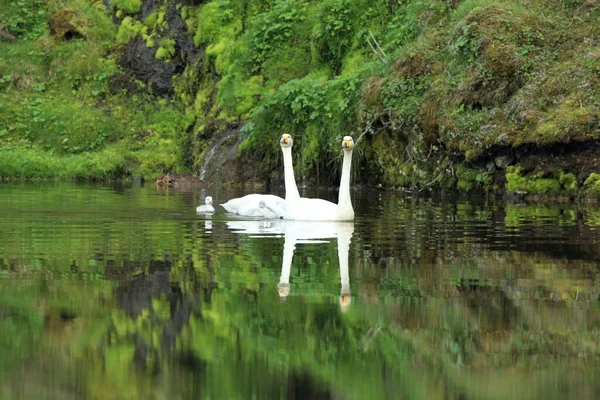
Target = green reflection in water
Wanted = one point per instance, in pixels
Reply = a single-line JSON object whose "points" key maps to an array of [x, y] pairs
{"points": [[126, 293]]}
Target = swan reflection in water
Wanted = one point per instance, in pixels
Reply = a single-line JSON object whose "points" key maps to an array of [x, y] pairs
{"points": [[297, 232]]}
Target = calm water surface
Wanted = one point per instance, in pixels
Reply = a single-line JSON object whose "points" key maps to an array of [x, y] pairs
{"points": [[123, 292]]}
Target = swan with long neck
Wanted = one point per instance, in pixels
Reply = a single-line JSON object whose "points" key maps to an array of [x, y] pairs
{"points": [[268, 205], [305, 209], [291, 190]]}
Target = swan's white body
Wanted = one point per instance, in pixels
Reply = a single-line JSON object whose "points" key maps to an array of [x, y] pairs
{"points": [[207, 207], [304, 209], [266, 206]]}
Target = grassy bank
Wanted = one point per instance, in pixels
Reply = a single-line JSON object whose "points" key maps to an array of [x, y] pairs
{"points": [[447, 94], [68, 110]]}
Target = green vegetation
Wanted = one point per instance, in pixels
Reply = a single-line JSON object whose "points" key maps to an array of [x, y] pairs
{"points": [[592, 184], [436, 86], [64, 116], [538, 184]]}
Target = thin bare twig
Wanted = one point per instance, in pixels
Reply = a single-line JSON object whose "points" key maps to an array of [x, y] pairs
{"points": [[375, 51], [378, 46], [367, 129]]}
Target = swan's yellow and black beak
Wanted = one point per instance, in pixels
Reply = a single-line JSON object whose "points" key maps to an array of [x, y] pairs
{"points": [[285, 139], [347, 143]]}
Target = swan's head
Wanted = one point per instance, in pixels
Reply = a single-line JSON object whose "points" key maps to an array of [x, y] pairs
{"points": [[261, 204], [286, 140], [284, 290], [345, 300], [208, 200], [347, 143]]}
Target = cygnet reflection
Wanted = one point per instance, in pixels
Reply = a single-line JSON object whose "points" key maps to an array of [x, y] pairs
{"points": [[296, 232]]}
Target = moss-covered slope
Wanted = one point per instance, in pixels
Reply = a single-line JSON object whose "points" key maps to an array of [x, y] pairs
{"points": [[447, 93]]}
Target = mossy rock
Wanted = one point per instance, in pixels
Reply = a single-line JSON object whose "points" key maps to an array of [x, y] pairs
{"points": [[68, 24], [591, 186], [469, 179], [129, 6], [538, 184]]}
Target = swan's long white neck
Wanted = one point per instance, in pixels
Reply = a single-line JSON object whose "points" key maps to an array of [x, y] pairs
{"points": [[291, 190], [345, 210]]}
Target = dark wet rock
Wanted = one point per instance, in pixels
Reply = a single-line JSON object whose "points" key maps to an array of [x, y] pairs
{"points": [[68, 24], [516, 197], [147, 8], [140, 61], [183, 39], [222, 164], [504, 161], [581, 158]]}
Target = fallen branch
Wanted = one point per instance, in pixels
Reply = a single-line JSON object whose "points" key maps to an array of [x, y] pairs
{"points": [[379, 51], [378, 46]]}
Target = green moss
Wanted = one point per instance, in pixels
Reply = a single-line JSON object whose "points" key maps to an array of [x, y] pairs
{"points": [[130, 6], [537, 184], [129, 29], [568, 182], [166, 49], [151, 20], [68, 20], [514, 180], [591, 186], [469, 179], [544, 186]]}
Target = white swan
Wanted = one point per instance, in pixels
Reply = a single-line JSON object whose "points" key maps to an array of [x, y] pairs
{"points": [[291, 190], [250, 205], [305, 209], [207, 207]]}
